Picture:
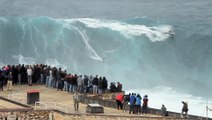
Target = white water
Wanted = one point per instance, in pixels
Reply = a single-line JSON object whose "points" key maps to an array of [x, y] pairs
{"points": [[31, 61], [172, 100], [25, 60], [92, 53], [157, 33], [55, 63]]}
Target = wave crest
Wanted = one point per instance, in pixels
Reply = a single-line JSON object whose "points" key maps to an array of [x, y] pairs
{"points": [[156, 33]]}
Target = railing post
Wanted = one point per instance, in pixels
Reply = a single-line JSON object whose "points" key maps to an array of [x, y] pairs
{"points": [[55, 105], [35, 105], [46, 106], [12, 96]]}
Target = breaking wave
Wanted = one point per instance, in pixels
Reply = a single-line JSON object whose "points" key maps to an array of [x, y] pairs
{"points": [[132, 51]]}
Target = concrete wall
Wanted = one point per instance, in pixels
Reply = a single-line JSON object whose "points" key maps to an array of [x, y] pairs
{"points": [[109, 103]]}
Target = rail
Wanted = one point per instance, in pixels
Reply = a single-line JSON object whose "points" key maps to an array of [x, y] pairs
{"points": [[51, 105], [16, 97]]}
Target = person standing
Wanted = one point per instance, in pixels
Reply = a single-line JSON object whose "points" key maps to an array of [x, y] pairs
{"points": [[163, 111], [184, 109], [29, 75], [10, 81], [126, 101], [74, 80], [19, 74], [61, 76], [71, 86], [15, 74], [100, 85], [23, 73], [76, 101], [104, 82], [138, 104], [1, 80], [90, 85], [85, 85], [119, 101], [132, 103], [145, 104], [95, 84], [79, 84], [59, 79]]}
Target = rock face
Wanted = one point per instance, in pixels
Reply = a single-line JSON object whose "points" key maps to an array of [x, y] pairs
{"points": [[94, 108], [29, 115]]}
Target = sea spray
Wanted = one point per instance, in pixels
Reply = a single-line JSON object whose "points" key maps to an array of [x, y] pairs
{"points": [[173, 100]]}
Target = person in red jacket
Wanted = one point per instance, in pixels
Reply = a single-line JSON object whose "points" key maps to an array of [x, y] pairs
{"points": [[119, 101]]}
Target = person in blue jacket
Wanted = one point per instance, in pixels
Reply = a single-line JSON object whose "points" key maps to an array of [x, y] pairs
{"points": [[138, 104], [132, 103]]}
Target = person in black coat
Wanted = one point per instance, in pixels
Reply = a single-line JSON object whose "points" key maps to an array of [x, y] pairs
{"points": [[184, 109], [95, 84], [1, 80], [105, 84], [23, 72], [15, 74]]}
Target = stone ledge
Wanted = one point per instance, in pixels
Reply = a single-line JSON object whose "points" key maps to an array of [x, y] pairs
{"points": [[94, 108]]}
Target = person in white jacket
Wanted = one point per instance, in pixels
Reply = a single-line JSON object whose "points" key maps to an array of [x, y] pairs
{"points": [[29, 75]]}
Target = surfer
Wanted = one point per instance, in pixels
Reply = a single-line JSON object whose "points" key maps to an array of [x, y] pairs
{"points": [[171, 33]]}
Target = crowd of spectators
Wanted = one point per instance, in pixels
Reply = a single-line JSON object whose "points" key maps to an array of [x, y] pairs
{"points": [[135, 103], [53, 77]]}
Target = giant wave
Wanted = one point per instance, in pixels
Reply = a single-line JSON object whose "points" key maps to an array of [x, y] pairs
{"points": [[137, 52]]}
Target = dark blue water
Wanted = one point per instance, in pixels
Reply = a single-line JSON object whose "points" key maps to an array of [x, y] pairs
{"points": [[125, 40]]}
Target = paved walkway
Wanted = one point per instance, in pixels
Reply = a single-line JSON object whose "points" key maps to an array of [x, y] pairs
{"points": [[52, 95]]}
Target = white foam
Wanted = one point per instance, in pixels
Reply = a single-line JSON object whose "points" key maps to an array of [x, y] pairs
{"points": [[156, 33], [92, 53], [3, 19], [172, 100], [75, 68], [110, 51], [25, 60], [55, 63], [1, 65]]}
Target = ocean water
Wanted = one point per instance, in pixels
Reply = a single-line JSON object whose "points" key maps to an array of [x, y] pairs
{"points": [[125, 41]]}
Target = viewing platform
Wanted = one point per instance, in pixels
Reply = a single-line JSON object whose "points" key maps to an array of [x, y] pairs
{"points": [[58, 105]]}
